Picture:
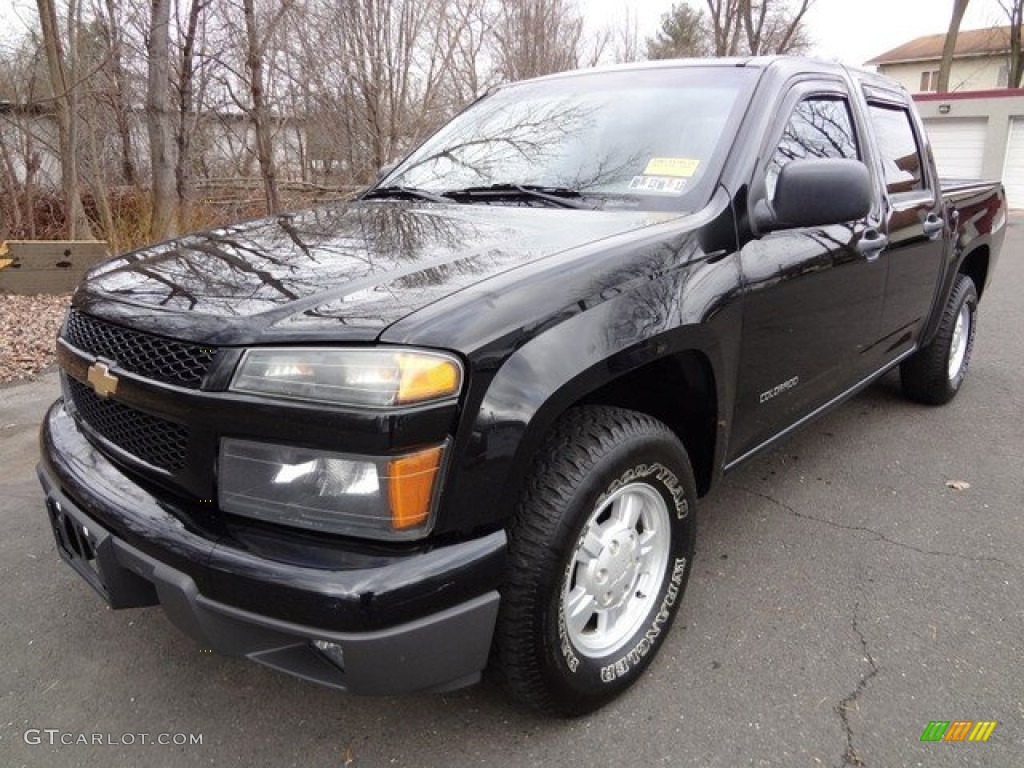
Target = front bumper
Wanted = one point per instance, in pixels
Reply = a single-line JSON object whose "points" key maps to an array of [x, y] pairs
{"points": [[402, 622]]}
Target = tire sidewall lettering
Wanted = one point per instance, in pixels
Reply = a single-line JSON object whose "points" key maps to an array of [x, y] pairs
{"points": [[572, 661], [611, 672], [666, 478], [668, 483]]}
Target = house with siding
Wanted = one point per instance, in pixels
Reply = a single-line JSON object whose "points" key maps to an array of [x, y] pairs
{"points": [[980, 61], [976, 127]]}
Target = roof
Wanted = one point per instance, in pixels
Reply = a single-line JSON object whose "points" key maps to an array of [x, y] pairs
{"points": [[811, 64], [790, 65], [992, 41]]}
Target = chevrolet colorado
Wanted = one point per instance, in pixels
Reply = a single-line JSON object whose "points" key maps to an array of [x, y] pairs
{"points": [[463, 421]]}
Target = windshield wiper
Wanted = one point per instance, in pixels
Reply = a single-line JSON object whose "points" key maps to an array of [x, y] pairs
{"points": [[407, 193], [563, 197]]}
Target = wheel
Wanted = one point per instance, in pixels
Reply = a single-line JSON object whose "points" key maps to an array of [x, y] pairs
{"points": [[600, 547], [934, 373]]}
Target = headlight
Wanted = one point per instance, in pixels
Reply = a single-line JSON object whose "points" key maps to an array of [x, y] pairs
{"points": [[361, 377], [367, 496]]}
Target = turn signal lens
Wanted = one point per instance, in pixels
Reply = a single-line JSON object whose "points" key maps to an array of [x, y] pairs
{"points": [[375, 377], [426, 378], [410, 487]]}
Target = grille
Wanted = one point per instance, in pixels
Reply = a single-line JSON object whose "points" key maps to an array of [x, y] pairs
{"points": [[156, 441], [166, 360]]}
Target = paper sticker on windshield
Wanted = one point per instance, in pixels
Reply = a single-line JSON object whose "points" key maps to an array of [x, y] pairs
{"points": [[678, 167], [665, 185]]}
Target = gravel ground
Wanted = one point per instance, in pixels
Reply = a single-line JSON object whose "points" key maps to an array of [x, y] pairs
{"points": [[28, 327]]}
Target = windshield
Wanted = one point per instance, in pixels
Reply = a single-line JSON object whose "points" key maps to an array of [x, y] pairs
{"points": [[640, 138]]}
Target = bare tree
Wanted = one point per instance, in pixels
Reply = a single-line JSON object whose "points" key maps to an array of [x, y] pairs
{"points": [[383, 74], [725, 27], [94, 169], [467, 34], [258, 110], [22, 69], [434, 52], [159, 122], [537, 37], [758, 27], [773, 27], [118, 97], [383, 35], [949, 47], [626, 39], [1014, 10], [64, 99], [190, 93]]}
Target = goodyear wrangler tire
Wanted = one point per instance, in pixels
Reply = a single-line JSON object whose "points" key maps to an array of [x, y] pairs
{"points": [[600, 548]]}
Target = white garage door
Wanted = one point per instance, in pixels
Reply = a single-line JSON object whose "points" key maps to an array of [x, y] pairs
{"points": [[1013, 171], [959, 146]]}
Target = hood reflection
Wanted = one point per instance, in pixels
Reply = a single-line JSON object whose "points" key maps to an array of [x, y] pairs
{"points": [[362, 265]]}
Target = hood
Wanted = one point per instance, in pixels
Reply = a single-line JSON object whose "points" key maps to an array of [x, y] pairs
{"points": [[344, 272]]}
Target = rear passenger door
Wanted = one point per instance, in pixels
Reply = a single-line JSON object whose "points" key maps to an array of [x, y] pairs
{"points": [[813, 295], [914, 223]]}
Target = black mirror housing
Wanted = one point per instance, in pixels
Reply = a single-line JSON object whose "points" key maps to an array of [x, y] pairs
{"points": [[815, 193]]}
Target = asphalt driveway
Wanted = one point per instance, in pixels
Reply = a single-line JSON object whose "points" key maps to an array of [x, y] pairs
{"points": [[843, 598]]}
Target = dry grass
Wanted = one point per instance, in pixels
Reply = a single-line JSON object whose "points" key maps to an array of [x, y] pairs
{"points": [[131, 212], [216, 204]]}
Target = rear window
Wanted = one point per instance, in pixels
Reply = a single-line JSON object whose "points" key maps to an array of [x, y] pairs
{"points": [[900, 153]]}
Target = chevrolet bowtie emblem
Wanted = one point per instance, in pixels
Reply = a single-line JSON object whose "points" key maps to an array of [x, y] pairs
{"points": [[104, 383]]}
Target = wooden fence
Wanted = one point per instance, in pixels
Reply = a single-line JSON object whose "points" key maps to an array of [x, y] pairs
{"points": [[47, 266]]}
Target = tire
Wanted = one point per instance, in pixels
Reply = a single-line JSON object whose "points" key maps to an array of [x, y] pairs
{"points": [[600, 547], [934, 374]]}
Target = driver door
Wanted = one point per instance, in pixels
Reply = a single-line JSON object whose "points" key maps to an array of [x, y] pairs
{"points": [[813, 295]]}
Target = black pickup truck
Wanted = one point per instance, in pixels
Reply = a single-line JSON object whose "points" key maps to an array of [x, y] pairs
{"points": [[463, 421]]}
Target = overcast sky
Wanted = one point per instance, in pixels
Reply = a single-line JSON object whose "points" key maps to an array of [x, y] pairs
{"points": [[851, 31], [854, 31]]}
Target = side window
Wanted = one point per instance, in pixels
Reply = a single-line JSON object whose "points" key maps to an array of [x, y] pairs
{"points": [[901, 156], [819, 127]]}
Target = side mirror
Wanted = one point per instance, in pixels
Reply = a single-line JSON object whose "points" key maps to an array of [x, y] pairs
{"points": [[814, 193]]}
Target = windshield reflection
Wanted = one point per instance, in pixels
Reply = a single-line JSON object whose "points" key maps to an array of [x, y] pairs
{"points": [[633, 138]]}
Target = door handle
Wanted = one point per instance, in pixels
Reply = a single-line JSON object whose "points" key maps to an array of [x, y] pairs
{"points": [[872, 243], [933, 225]]}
